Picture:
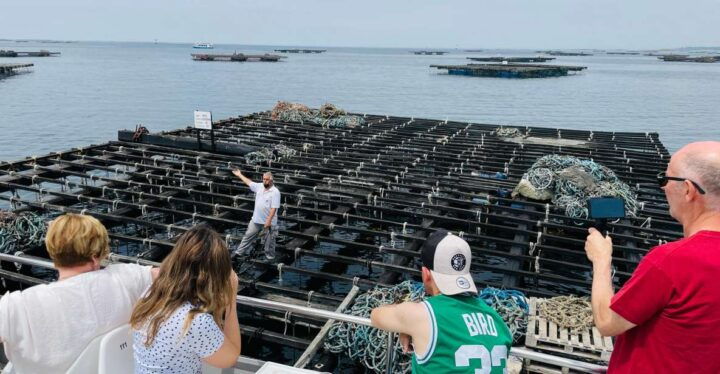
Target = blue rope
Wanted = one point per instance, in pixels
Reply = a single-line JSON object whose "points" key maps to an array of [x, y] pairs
{"points": [[511, 305]]}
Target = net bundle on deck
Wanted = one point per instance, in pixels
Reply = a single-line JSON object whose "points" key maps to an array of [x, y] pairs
{"points": [[22, 231], [507, 132], [569, 181], [327, 116], [269, 154]]}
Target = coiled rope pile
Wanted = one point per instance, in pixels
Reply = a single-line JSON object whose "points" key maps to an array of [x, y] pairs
{"points": [[511, 305], [507, 132], [369, 345], [269, 154], [328, 115], [572, 312], [19, 232], [569, 181]]}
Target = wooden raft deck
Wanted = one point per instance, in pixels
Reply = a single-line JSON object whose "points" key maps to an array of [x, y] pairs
{"points": [[509, 70]]}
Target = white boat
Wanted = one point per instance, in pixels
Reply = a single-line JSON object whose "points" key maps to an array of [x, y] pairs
{"points": [[203, 46]]}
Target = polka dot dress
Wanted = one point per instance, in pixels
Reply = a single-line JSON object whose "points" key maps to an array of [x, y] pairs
{"points": [[171, 352]]}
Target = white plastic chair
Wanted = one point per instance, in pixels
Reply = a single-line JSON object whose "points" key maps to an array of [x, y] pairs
{"points": [[207, 369], [8, 369], [111, 353], [116, 352], [87, 362]]}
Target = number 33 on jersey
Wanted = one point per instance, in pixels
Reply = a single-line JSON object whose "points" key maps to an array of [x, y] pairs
{"points": [[467, 337]]}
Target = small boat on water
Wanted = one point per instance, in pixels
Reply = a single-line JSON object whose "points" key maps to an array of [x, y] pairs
{"points": [[203, 46]]}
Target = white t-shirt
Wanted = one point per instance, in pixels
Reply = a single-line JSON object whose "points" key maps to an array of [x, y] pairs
{"points": [[45, 328], [175, 352], [264, 200]]}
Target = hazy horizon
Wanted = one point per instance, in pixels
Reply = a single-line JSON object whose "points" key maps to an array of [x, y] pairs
{"points": [[186, 42], [461, 24]]}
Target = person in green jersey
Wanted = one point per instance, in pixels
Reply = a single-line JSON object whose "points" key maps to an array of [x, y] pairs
{"points": [[452, 331]]}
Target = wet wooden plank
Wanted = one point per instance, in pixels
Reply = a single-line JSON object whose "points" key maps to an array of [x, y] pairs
{"points": [[597, 338], [564, 335], [531, 335], [542, 327], [574, 339], [586, 339], [553, 333], [608, 343]]}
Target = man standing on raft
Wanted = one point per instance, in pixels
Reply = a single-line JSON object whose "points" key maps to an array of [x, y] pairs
{"points": [[264, 219]]}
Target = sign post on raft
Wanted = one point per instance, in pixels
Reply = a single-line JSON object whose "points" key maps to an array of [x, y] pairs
{"points": [[203, 121]]}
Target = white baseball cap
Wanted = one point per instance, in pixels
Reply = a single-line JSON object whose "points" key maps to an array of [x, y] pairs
{"points": [[448, 258]]}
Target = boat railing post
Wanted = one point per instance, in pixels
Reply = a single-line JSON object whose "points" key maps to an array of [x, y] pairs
{"points": [[390, 353]]}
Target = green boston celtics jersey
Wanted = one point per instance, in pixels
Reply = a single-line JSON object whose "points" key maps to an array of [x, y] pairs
{"points": [[467, 336]]}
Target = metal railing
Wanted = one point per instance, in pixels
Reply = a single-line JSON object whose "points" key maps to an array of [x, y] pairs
{"points": [[520, 352]]}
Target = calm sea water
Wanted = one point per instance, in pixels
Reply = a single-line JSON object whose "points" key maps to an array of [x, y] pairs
{"points": [[94, 89]]}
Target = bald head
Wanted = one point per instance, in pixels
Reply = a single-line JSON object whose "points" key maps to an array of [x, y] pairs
{"points": [[700, 161]]}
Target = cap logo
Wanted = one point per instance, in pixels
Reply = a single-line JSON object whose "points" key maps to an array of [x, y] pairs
{"points": [[458, 262], [462, 283]]}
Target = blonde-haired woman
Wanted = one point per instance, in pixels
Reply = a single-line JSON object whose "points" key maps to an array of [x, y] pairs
{"points": [[179, 323], [45, 328]]}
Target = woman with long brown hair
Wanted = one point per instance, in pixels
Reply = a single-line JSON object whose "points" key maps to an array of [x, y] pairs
{"points": [[178, 324]]}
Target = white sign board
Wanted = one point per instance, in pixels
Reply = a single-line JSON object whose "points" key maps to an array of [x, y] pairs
{"points": [[203, 120]]}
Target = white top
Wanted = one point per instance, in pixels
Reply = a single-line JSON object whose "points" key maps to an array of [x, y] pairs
{"points": [[173, 352], [45, 328], [265, 199]]}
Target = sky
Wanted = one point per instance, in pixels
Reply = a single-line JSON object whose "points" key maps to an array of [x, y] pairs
{"points": [[513, 24]]}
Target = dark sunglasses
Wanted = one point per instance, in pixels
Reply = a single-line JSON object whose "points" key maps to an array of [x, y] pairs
{"points": [[664, 179]]}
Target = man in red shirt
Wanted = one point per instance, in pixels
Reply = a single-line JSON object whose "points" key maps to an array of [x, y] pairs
{"points": [[667, 315]]}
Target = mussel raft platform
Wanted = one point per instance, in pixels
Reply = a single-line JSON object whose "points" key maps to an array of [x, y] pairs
{"points": [[238, 57], [511, 59], [11, 69], [300, 50], [510, 70], [356, 206]]}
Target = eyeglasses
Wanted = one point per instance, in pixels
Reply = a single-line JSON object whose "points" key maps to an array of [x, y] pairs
{"points": [[664, 179]]}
